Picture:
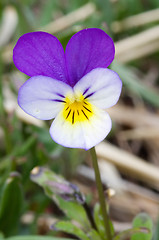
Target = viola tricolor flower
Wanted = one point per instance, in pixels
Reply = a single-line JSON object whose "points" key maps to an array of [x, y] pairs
{"points": [[73, 87]]}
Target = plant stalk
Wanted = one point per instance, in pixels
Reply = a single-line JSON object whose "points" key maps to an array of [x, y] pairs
{"points": [[101, 194], [89, 214]]}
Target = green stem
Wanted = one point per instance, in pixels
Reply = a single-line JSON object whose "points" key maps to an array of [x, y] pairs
{"points": [[89, 214], [101, 194]]}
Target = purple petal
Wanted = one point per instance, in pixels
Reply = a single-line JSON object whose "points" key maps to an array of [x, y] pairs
{"points": [[86, 50], [40, 53]]}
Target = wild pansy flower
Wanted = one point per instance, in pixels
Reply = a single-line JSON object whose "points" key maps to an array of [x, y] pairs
{"points": [[73, 87]]}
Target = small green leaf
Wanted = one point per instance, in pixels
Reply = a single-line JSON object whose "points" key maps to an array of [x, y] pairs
{"points": [[70, 228], [10, 205], [56, 185], [74, 211], [66, 195], [100, 223], [128, 233], [94, 235], [142, 221]]}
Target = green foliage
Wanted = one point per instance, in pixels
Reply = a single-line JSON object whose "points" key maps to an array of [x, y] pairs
{"points": [[68, 227], [36, 238], [11, 205], [156, 233], [23, 146], [69, 200], [94, 235], [141, 230], [44, 137], [106, 9], [47, 13], [66, 195], [100, 223], [131, 81], [26, 17], [143, 221], [74, 211], [128, 233]]}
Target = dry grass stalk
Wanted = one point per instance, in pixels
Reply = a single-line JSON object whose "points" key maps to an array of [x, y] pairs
{"points": [[134, 47], [138, 52], [138, 40], [57, 26], [121, 226], [11, 106], [136, 21], [140, 133], [126, 206], [8, 25], [27, 118], [129, 164], [133, 117], [122, 202], [68, 20]]}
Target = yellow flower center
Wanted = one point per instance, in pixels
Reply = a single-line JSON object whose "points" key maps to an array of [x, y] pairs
{"points": [[77, 109]]}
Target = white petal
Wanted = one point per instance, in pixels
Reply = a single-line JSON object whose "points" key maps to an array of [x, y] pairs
{"points": [[102, 87], [84, 134], [42, 97]]}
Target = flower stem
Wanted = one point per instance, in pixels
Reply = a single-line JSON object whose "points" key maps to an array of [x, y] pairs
{"points": [[89, 214], [101, 194]]}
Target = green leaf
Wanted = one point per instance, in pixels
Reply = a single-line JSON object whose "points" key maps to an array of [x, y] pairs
{"points": [[94, 235], [25, 147], [10, 205], [65, 194], [70, 228], [131, 81], [106, 9], [1, 236], [36, 238], [98, 218], [156, 234], [56, 185], [74, 211], [46, 14], [142, 220], [44, 137], [128, 233], [26, 17]]}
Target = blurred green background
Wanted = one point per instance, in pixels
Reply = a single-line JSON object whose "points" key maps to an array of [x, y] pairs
{"points": [[26, 143]]}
